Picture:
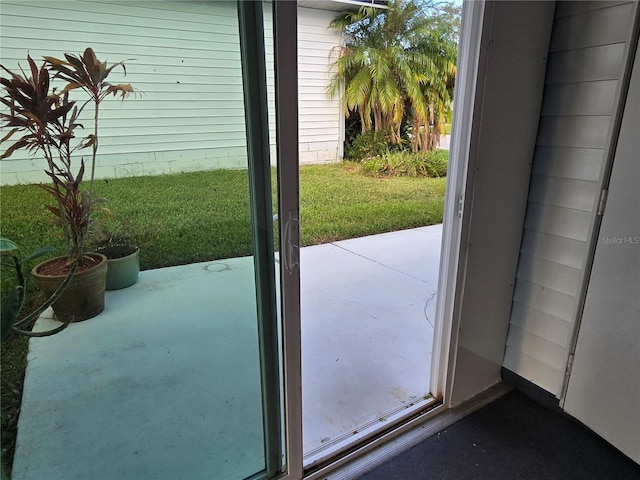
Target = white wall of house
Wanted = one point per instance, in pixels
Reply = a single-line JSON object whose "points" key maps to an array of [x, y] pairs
{"points": [[185, 62], [320, 118]]}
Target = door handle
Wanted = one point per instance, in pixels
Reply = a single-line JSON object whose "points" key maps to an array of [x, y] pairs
{"points": [[291, 245]]}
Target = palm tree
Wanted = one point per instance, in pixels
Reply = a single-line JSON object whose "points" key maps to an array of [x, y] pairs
{"points": [[397, 67]]}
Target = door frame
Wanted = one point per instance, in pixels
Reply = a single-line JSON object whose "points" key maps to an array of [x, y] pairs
{"points": [[254, 79], [285, 40], [445, 338]]}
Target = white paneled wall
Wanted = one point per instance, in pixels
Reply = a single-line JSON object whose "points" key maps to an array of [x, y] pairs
{"points": [[185, 63], [320, 117], [586, 62]]}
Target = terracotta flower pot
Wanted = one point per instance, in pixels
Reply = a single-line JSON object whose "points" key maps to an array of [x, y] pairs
{"points": [[83, 297]]}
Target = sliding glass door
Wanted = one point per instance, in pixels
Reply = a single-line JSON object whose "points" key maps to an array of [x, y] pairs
{"points": [[254, 77], [182, 375]]}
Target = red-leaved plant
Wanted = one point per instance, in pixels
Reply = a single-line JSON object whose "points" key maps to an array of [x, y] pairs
{"points": [[89, 74], [47, 121]]}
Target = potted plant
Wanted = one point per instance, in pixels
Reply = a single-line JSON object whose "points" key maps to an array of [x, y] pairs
{"points": [[13, 300], [114, 241], [48, 121]]}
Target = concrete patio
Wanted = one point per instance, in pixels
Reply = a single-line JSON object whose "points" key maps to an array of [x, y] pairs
{"points": [[165, 384]]}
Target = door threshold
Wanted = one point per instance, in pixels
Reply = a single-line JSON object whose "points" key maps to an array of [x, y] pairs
{"points": [[357, 461], [332, 449]]}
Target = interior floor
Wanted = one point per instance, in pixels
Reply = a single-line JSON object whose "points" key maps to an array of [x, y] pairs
{"points": [[512, 438]]}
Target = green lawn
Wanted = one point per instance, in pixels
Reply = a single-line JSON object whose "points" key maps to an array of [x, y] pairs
{"points": [[338, 202], [194, 217], [201, 216]]}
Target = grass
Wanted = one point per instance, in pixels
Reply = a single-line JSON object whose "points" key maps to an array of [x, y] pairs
{"points": [[201, 216], [13, 359], [338, 202], [175, 219]]}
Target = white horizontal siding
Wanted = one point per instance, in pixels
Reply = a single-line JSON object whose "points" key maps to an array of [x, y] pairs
{"points": [[551, 302], [556, 276], [533, 369], [563, 222], [311, 82], [320, 68], [561, 250], [567, 99], [574, 131], [567, 162], [137, 13], [312, 76], [183, 58], [576, 31], [564, 192], [584, 68], [142, 36], [311, 106], [585, 65], [540, 324], [319, 125], [320, 118], [535, 346], [576, 7]]}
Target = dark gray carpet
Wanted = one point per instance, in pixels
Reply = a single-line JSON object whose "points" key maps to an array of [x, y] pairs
{"points": [[512, 438]]}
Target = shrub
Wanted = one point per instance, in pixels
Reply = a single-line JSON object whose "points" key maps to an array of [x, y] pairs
{"points": [[436, 162], [373, 167], [407, 164], [367, 145]]}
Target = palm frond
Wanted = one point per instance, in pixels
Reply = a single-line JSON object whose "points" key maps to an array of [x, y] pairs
{"points": [[397, 65]]}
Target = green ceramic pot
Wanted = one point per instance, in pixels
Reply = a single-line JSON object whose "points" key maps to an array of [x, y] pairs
{"points": [[123, 265]]}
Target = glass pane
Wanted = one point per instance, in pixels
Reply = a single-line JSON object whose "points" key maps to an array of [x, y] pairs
{"points": [[368, 276], [167, 381]]}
